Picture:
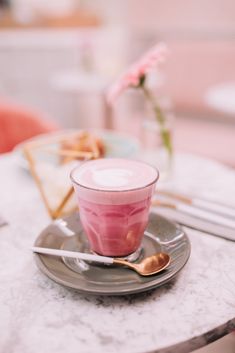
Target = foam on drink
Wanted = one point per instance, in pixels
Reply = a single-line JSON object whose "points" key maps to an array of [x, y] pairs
{"points": [[114, 175]]}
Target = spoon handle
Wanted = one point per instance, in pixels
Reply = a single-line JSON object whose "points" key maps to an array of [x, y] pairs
{"points": [[73, 254]]}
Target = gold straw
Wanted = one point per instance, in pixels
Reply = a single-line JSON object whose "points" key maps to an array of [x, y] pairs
{"points": [[32, 168]]}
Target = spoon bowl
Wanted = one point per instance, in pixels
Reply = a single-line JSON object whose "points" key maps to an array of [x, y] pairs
{"points": [[149, 266]]}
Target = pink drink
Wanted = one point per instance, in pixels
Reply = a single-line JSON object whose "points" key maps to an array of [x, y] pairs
{"points": [[114, 197]]}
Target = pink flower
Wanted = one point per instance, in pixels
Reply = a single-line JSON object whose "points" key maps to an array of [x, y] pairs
{"points": [[131, 78]]}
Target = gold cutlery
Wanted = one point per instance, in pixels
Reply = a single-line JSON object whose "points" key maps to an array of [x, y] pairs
{"points": [[211, 206]]}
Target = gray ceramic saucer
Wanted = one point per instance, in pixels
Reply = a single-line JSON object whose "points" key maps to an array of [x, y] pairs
{"points": [[89, 278]]}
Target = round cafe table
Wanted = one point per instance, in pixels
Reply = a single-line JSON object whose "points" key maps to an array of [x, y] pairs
{"points": [[38, 315]]}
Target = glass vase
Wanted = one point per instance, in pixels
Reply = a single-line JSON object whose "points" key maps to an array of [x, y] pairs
{"points": [[157, 145]]}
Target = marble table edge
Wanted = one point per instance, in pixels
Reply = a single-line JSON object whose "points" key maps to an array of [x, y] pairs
{"points": [[199, 341]]}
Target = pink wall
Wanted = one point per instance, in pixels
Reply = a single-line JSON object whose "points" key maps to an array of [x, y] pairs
{"points": [[201, 37], [180, 15], [196, 65]]}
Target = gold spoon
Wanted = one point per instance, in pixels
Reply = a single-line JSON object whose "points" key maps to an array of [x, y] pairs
{"points": [[148, 266]]}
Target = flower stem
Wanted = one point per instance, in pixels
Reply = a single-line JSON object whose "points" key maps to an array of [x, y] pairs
{"points": [[164, 131]]}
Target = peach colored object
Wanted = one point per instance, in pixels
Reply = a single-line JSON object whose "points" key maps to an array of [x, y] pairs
{"points": [[18, 124], [131, 78]]}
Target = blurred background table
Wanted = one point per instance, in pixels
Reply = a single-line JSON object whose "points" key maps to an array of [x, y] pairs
{"points": [[191, 311], [222, 97]]}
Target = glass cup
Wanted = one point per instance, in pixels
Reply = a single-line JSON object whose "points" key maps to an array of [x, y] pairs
{"points": [[114, 218]]}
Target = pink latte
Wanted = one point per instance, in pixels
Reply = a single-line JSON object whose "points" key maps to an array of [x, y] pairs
{"points": [[114, 197]]}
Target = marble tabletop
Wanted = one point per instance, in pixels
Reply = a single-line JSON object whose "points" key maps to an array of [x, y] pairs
{"points": [[38, 315]]}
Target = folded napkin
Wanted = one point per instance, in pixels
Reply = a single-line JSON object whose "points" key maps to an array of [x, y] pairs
{"points": [[196, 223]]}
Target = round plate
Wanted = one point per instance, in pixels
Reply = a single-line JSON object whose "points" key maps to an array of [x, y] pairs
{"points": [[110, 280], [116, 144]]}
